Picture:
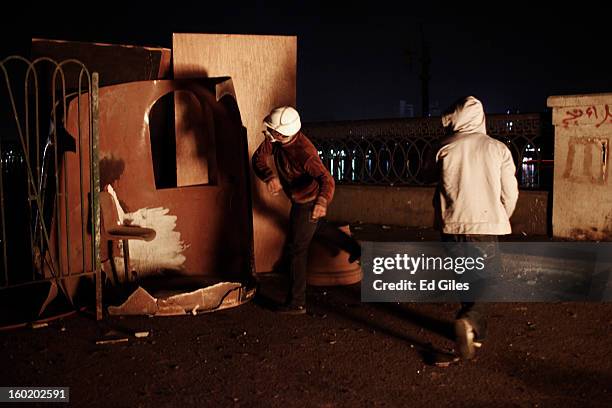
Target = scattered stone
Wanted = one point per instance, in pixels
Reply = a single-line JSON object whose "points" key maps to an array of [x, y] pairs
{"points": [[113, 341], [445, 361]]}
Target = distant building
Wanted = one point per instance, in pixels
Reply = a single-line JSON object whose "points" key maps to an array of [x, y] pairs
{"points": [[434, 109], [406, 110]]}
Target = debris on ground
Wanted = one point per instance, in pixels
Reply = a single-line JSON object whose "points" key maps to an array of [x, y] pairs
{"points": [[211, 298], [112, 341]]}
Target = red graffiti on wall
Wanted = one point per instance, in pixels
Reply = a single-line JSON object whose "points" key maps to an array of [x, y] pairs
{"points": [[607, 118], [573, 115], [591, 111]]}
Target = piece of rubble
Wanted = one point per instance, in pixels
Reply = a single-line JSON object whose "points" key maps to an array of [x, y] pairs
{"points": [[140, 302], [444, 360], [112, 341], [445, 364], [208, 299]]}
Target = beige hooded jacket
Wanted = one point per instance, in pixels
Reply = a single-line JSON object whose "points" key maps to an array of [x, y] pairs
{"points": [[478, 190]]}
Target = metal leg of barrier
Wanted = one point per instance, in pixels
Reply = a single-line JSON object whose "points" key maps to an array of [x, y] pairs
{"points": [[126, 259], [99, 312]]}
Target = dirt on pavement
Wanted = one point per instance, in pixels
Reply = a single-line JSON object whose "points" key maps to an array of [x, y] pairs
{"points": [[343, 353]]}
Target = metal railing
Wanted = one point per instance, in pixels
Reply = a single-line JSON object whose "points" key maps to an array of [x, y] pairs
{"points": [[36, 186], [393, 152]]}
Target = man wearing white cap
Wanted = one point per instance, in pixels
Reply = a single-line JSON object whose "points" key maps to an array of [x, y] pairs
{"points": [[309, 186]]}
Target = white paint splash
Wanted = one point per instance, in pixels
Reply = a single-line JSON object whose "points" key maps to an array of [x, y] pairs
{"points": [[163, 253]]}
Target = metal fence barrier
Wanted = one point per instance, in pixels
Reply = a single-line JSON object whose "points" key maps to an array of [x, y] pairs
{"points": [[35, 185], [393, 151]]}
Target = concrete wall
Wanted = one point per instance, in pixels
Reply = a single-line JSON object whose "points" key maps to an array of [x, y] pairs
{"points": [[582, 201], [412, 207]]}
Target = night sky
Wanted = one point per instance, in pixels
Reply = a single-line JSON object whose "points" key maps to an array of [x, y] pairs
{"points": [[360, 66]]}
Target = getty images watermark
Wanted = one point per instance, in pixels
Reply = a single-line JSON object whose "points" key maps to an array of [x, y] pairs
{"points": [[486, 271]]}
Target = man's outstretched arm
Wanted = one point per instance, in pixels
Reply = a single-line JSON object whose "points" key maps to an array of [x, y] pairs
{"points": [[260, 161]]}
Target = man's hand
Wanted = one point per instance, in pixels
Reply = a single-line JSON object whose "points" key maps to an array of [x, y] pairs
{"points": [[274, 186], [318, 212]]}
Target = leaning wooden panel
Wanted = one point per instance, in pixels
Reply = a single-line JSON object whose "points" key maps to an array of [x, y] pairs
{"points": [[263, 70], [115, 63]]}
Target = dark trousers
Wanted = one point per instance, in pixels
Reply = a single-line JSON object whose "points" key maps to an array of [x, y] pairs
{"points": [[473, 310], [301, 233]]}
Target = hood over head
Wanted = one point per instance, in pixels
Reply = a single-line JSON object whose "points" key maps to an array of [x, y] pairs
{"points": [[465, 116]]}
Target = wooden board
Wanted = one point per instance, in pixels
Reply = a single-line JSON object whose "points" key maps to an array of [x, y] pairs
{"points": [[263, 70]]}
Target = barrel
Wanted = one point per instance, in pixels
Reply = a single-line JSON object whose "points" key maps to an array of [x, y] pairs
{"points": [[330, 266]]}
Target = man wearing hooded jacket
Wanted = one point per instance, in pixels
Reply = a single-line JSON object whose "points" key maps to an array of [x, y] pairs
{"points": [[309, 186], [476, 195]]}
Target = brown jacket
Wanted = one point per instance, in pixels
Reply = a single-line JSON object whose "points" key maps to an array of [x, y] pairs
{"points": [[302, 174]]}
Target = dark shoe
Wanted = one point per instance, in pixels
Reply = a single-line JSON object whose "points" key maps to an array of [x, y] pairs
{"points": [[464, 336], [355, 254], [291, 309]]}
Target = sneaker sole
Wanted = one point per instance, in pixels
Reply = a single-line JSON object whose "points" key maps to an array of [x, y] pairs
{"points": [[465, 339]]}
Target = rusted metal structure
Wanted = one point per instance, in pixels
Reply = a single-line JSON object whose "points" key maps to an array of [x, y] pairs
{"points": [[175, 154], [392, 151], [115, 63], [34, 211], [199, 217], [202, 228]]}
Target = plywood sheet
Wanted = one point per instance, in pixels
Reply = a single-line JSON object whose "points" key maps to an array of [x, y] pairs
{"points": [[263, 71]]}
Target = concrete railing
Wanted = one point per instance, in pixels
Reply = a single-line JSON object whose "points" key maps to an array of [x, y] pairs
{"points": [[412, 207]]}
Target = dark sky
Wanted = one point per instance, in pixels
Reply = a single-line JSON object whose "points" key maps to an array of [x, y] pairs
{"points": [[356, 66]]}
